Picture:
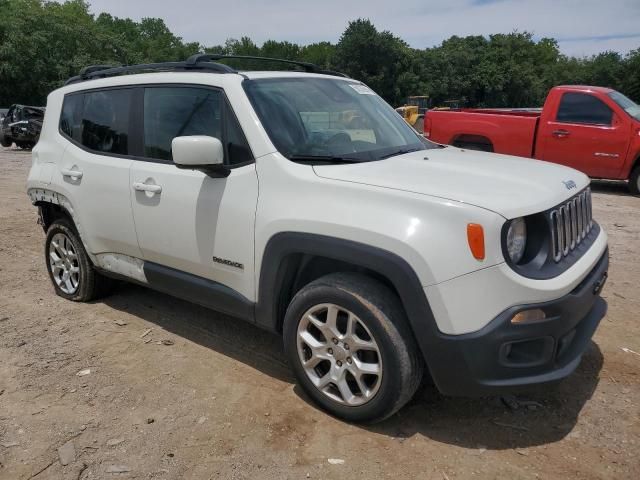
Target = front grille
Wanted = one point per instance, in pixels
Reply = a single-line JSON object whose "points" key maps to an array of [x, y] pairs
{"points": [[571, 222]]}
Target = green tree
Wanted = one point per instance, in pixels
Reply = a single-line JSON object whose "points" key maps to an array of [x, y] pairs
{"points": [[321, 54], [606, 70], [42, 43], [379, 59], [631, 75]]}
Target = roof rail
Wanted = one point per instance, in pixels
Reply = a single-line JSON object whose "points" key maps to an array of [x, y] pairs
{"points": [[102, 71], [199, 61], [307, 67]]}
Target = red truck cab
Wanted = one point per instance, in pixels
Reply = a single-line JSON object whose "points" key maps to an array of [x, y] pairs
{"points": [[593, 129]]}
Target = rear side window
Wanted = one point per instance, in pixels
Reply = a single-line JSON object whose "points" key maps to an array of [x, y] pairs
{"points": [[98, 120], [583, 108], [105, 121], [71, 116], [171, 112]]}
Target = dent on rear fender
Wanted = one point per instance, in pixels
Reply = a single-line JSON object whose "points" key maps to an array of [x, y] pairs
{"points": [[44, 195]]}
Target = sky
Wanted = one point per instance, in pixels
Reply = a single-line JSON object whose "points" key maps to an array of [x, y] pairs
{"points": [[582, 27]]}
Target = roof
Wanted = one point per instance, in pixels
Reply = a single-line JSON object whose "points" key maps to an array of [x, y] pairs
{"points": [[582, 88], [200, 62], [226, 81]]}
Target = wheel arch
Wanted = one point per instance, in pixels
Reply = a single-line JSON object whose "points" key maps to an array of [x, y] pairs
{"points": [[293, 259], [50, 212], [634, 177], [52, 206], [471, 141]]}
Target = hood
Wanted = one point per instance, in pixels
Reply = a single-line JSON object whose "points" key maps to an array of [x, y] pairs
{"points": [[509, 186]]}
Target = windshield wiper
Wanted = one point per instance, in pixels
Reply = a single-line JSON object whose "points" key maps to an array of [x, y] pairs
{"points": [[401, 151], [324, 158]]}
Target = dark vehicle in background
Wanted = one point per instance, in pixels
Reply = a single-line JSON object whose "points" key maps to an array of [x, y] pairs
{"points": [[21, 125]]}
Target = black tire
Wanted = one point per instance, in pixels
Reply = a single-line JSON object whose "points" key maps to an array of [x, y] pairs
{"points": [[91, 284], [5, 141], [634, 181], [381, 312]]}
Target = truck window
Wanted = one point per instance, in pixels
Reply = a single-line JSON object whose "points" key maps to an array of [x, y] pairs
{"points": [[583, 108]]}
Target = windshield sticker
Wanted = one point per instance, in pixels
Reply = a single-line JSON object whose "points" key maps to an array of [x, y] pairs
{"points": [[362, 89]]}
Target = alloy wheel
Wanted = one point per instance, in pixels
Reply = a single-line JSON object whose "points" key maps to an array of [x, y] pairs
{"points": [[63, 260], [339, 354]]}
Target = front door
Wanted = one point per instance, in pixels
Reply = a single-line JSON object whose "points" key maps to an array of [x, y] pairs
{"points": [[185, 219], [586, 135]]}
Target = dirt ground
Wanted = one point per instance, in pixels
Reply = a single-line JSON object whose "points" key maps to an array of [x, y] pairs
{"points": [[220, 402]]}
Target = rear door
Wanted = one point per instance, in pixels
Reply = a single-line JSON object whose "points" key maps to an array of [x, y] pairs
{"points": [[585, 134], [94, 171], [185, 219]]}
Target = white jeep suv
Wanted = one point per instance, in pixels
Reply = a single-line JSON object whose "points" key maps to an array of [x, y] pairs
{"points": [[301, 202]]}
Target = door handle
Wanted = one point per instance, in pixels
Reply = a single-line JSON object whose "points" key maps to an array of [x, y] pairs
{"points": [[561, 133], [147, 187], [66, 172]]}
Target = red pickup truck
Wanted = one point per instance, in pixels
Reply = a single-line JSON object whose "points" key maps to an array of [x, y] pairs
{"points": [[592, 129]]}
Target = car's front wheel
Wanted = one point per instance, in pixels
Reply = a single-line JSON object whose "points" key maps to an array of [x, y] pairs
{"points": [[70, 269], [347, 339]]}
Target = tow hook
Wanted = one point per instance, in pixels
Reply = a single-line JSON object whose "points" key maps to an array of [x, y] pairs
{"points": [[597, 287]]}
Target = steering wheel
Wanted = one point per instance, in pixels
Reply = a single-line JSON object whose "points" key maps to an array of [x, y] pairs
{"points": [[342, 141]]}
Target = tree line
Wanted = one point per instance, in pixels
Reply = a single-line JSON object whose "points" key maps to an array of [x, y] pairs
{"points": [[42, 43]]}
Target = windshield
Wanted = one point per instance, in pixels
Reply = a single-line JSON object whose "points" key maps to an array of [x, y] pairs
{"points": [[626, 104], [330, 120]]}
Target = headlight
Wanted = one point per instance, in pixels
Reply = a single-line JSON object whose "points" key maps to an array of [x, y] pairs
{"points": [[516, 239]]}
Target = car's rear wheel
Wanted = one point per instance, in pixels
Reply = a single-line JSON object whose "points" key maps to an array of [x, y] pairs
{"points": [[634, 181], [347, 339], [5, 141], [70, 269]]}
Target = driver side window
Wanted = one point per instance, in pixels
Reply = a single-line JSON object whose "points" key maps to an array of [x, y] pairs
{"points": [[585, 109]]}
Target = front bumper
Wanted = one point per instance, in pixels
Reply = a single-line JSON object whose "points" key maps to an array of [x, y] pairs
{"points": [[503, 356]]}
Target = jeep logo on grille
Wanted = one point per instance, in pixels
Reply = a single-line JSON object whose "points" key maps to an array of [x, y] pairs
{"points": [[569, 184]]}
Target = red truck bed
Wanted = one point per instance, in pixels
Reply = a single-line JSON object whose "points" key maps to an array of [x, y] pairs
{"points": [[511, 131]]}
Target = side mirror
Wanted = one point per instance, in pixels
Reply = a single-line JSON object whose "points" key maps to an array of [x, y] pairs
{"points": [[200, 152]]}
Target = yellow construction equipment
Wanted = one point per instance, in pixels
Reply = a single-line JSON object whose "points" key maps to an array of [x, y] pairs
{"points": [[414, 110]]}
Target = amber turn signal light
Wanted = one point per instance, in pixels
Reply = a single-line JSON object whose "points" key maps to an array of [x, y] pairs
{"points": [[475, 237], [528, 316]]}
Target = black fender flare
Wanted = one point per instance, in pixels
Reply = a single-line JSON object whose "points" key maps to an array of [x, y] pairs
{"points": [[387, 264]]}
